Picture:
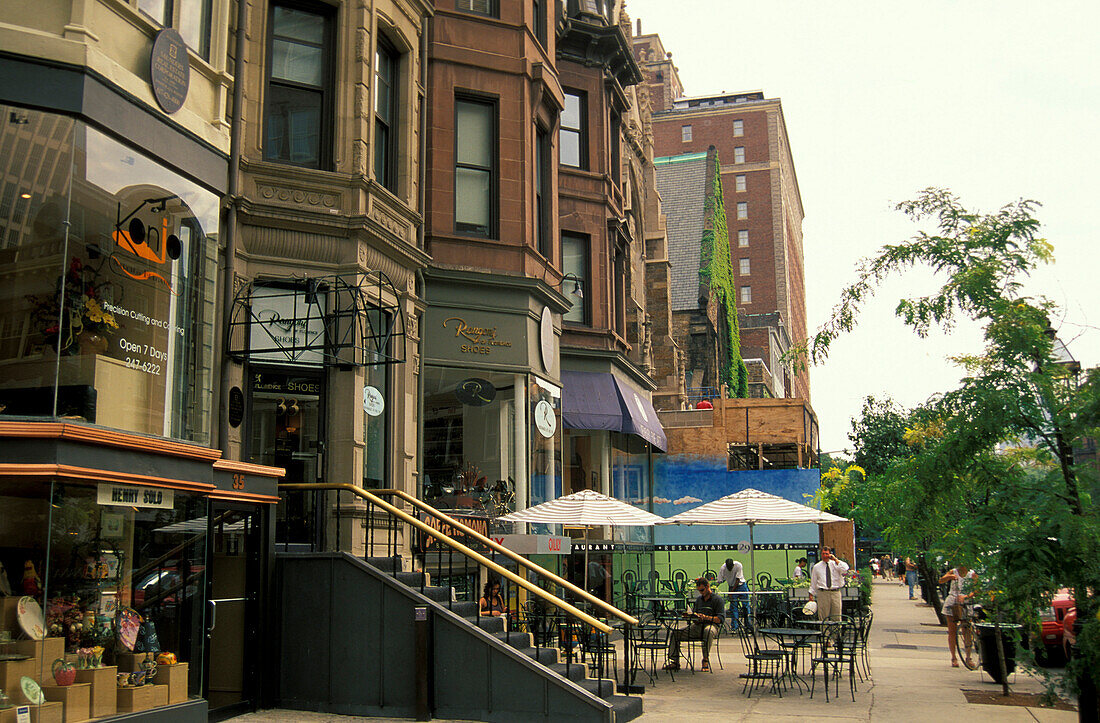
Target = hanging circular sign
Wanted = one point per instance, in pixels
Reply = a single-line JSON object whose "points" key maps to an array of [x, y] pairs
{"points": [[373, 402], [546, 339], [169, 70], [545, 420], [744, 547], [474, 392]]}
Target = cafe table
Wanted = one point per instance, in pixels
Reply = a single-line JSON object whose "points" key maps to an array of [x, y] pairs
{"points": [[796, 636], [661, 603]]}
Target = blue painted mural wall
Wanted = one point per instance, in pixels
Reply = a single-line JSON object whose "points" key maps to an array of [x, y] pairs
{"points": [[684, 481]]}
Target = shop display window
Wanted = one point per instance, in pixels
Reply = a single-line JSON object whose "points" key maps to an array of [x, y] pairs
{"points": [[630, 481], [108, 266], [103, 595], [469, 440]]}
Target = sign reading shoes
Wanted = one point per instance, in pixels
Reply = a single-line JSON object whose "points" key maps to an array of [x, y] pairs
{"points": [[134, 496]]}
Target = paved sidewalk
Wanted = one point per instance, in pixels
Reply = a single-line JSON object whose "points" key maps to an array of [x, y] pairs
{"points": [[912, 681]]}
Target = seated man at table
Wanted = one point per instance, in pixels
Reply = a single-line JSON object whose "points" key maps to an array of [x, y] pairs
{"points": [[705, 618]]}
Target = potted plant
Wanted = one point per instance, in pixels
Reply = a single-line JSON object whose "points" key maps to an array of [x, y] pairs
{"points": [[73, 319]]}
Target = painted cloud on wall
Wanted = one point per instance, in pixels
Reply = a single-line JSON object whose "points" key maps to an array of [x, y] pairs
{"points": [[686, 500], [661, 500]]}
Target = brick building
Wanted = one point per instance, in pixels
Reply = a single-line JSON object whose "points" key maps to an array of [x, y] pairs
{"points": [[762, 201]]}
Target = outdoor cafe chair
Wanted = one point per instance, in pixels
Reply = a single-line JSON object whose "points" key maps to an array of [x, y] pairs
{"points": [[764, 663], [837, 648], [863, 630], [649, 641]]}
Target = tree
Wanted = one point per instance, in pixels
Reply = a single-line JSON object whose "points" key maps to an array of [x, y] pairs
{"points": [[1028, 520]]}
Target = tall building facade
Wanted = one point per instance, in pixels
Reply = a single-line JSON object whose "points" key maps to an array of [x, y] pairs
{"points": [[535, 293], [210, 241], [763, 205]]}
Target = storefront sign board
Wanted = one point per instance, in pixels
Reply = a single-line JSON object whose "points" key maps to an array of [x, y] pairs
{"points": [[473, 337], [135, 496], [536, 544]]}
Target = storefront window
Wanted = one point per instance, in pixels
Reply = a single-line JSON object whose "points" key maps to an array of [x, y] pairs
{"points": [[546, 441], [108, 265], [630, 480], [469, 440], [377, 407], [119, 572]]}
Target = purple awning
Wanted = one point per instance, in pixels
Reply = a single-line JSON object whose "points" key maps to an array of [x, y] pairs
{"points": [[589, 400], [639, 416]]}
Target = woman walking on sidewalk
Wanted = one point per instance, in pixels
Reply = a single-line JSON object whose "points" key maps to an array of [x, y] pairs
{"points": [[956, 597]]}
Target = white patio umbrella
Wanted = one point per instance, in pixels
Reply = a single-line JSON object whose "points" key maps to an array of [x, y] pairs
{"points": [[751, 507], [586, 508]]}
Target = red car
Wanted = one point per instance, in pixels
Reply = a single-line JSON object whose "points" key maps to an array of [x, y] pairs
{"points": [[1069, 637], [1052, 624]]}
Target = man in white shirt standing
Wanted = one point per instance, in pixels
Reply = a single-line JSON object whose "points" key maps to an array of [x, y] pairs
{"points": [[826, 581], [732, 573]]}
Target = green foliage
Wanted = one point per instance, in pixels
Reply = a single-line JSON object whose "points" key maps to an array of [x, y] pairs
{"points": [[986, 474], [716, 271], [878, 434]]}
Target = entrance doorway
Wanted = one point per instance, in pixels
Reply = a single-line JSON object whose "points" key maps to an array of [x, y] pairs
{"points": [[285, 431], [232, 616]]}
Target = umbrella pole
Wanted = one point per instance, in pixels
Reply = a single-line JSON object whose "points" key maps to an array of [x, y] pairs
{"points": [[752, 566], [586, 558]]}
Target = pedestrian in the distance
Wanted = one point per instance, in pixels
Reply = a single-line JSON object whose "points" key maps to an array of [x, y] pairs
{"points": [[910, 576]]}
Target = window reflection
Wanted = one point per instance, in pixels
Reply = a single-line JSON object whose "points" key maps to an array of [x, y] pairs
{"points": [[113, 319]]}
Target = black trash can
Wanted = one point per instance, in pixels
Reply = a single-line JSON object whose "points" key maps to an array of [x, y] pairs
{"points": [[987, 639]]}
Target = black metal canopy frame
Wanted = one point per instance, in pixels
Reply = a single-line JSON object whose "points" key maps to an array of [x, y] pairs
{"points": [[340, 321]]}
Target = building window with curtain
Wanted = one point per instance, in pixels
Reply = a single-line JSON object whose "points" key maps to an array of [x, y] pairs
{"points": [[475, 166], [481, 7], [574, 263], [385, 104], [572, 138], [542, 193], [296, 128]]}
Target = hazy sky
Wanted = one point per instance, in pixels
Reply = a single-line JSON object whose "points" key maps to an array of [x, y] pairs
{"points": [[994, 100]]}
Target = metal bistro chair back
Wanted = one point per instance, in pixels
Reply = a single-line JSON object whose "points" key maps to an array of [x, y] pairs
{"points": [[763, 663], [763, 581], [649, 642], [836, 650]]}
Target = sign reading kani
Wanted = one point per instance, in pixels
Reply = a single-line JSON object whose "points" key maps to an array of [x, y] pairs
{"points": [[482, 338], [133, 496]]}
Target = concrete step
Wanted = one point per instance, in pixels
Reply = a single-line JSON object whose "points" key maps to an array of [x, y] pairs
{"points": [[385, 564], [627, 707]]}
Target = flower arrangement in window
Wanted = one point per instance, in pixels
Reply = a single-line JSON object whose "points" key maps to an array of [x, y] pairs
{"points": [[83, 323]]}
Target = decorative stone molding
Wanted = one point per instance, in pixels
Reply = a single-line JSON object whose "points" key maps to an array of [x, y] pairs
{"points": [[307, 198]]}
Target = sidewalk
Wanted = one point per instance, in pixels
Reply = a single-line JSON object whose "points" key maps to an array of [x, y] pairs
{"points": [[912, 681]]}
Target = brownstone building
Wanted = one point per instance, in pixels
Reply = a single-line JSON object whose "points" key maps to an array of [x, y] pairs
{"points": [[763, 205], [537, 158]]}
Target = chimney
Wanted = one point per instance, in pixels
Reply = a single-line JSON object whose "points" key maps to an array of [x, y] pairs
{"points": [[639, 26]]}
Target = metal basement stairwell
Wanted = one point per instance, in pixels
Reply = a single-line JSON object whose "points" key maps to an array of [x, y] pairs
{"points": [[367, 636]]}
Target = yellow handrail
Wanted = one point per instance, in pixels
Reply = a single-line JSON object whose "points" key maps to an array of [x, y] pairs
{"points": [[515, 557], [472, 554]]}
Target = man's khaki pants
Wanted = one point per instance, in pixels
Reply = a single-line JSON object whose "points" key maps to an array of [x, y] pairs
{"points": [[828, 604]]}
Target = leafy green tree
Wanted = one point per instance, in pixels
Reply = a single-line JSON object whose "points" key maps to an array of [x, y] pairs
{"points": [[1028, 520], [878, 434]]}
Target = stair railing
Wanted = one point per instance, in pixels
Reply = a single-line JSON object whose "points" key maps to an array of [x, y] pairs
{"points": [[569, 627]]}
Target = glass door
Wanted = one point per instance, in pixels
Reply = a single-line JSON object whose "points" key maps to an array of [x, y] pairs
{"points": [[232, 614], [285, 431]]}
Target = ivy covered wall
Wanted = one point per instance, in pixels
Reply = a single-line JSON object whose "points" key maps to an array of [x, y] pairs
{"points": [[716, 273]]}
